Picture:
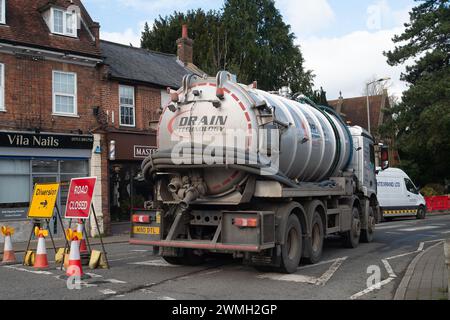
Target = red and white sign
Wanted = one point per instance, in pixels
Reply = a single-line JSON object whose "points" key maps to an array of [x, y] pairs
{"points": [[80, 198]]}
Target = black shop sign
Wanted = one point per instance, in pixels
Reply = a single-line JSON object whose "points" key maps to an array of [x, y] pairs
{"points": [[45, 140]]}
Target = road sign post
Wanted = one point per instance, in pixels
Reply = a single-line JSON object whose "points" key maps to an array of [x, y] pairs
{"points": [[42, 208]]}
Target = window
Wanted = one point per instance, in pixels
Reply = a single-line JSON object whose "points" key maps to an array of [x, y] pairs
{"points": [[64, 93], [410, 186], [2, 11], [127, 110], [2, 87], [64, 22]]}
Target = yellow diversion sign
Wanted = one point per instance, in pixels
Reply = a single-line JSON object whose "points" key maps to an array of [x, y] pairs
{"points": [[43, 202]]}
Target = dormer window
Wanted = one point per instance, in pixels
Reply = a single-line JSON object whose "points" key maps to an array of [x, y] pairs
{"points": [[2, 11], [63, 22]]}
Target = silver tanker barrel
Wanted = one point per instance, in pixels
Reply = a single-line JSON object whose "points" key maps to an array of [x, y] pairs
{"points": [[210, 114]]}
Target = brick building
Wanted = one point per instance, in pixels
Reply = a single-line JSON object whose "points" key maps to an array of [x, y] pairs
{"points": [[65, 98], [354, 112]]}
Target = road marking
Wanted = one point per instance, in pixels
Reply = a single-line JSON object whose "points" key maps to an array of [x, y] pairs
{"points": [[139, 250], [330, 272], [390, 227], [419, 228], [93, 275], [320, 263], [372, 288], [166, 298], [107, 291], [389, 269], [445, 232], [115, 281], [30, 271], [154, 263], [393, 232], [320, 281], [421, 245]]}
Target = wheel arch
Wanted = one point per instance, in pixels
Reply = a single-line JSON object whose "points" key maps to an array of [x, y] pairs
{"points": [[283, 212]]}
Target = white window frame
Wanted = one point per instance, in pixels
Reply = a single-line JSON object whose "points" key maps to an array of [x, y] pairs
{"points": [[3, 13], [65, 13], [127, 105], [75, 95], [2, 88]]}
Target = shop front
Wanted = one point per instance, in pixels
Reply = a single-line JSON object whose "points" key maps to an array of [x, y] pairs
{"points": [[27, 158], [127, 190]]}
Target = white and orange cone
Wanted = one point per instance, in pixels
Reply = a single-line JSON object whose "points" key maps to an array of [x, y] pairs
{"points": [[9, 257], [41, 260], [83, 247], [75, 268]]}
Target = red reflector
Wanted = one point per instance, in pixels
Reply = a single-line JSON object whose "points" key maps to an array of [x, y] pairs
{"points": [[138, 218], [246, 222]]}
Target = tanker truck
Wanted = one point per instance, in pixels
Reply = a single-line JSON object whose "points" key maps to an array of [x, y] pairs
{"points": [[263, 176]]}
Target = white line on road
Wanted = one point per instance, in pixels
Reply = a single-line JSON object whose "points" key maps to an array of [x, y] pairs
{"points": [[30, 271], [372, 288], [107, 291], [154, 263], [93, 275], [115, 281], [419, 228], [389, 269], [166, 298], [390, 227], [421, 245], [330, 272], [320, 281]]}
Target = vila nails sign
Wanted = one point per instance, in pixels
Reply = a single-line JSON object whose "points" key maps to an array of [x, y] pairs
{"points": [[52, 141], [79, 199]]}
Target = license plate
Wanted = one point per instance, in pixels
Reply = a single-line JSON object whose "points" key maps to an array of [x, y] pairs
{"points": [[145, 230]]}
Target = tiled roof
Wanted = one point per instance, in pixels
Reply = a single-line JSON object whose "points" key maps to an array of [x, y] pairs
{"points": [[355, 110], [25, 25], [136, 64]]}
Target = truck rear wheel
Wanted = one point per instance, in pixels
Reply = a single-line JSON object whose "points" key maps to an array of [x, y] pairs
{"points": [[315, 244], [291, 250], [367, 234], [351, 237]]}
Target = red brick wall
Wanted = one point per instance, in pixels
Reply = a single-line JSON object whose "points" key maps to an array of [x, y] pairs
{"points": [[147, 104], [28, 95]]}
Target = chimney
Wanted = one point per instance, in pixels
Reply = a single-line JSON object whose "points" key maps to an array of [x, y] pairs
{"points": [[95, 29], [185, 50]]}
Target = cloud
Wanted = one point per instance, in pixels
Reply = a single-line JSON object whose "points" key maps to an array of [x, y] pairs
{"points": [[346, 63], [129, 36], [307, 16]]}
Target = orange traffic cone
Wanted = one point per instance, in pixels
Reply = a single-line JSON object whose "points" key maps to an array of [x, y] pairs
{"points": [[83, 247], [41, 260], [75, 268], [9, 257]]}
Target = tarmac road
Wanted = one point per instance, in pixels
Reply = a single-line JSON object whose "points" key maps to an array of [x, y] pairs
{"points": [[343, 273]]}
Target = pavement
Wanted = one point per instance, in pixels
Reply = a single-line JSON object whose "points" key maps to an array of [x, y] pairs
{"points": [[426, 277], [374, 271]]}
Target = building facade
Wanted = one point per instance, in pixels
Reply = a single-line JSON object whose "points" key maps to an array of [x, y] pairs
{"points": [[71, 106]]}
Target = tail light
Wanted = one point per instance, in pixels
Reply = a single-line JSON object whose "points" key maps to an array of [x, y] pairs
{"points": [[140, 218], [245, 222]]}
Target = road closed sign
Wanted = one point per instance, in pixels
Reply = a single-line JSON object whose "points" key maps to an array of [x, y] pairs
{"points": [[43, 201], [79, 198]]}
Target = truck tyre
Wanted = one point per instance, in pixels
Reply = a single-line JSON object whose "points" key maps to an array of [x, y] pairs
{"points": [[291, 250], [351, 237], [367, 234], [421, 213], [314, 245], [177, 261]]}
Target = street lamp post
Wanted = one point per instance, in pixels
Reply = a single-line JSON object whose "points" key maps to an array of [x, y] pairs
{"points": [[368, 101]]}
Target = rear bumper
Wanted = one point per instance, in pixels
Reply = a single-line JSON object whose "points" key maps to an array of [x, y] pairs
{"points": [[197, 245]]}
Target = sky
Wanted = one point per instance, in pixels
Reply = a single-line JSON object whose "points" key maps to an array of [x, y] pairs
{"points": [[342, 40]]}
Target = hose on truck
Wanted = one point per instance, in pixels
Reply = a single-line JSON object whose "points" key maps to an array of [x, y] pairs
{"points": [[162, 160]]}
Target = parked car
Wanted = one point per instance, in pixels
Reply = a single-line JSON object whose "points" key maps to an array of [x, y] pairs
{"points": [[398, 196]]}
